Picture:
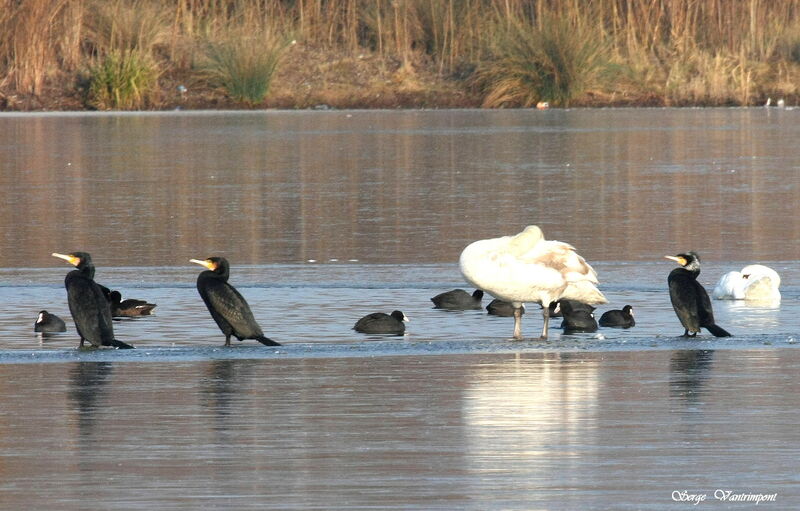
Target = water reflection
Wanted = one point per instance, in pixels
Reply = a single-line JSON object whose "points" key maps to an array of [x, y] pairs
{"points": [[689, 371], [530, 416], [88, 388], [226, 379], [473, 432], [410, 187], [761, 313], [89, 391]]}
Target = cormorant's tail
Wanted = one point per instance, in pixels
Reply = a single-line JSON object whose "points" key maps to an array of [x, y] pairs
{"points": [[267, 341], [718, 331], [120, 345]]}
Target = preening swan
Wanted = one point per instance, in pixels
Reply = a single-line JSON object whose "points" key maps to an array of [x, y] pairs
{"points": [[755, 282], [528, 268]]}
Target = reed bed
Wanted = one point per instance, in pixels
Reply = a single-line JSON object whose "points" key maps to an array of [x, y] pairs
{"points": [[130, 54]]}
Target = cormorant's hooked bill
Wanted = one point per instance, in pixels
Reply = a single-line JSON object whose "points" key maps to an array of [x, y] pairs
{"points": [[72, 259]]}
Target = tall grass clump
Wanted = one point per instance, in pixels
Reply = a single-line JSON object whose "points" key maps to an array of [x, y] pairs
{"points": [[123, 74], [122, 80], [556, 61], [244, 66]]}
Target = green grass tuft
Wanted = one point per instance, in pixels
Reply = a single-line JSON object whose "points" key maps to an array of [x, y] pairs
{"points": [[123, 80], [554, 62], [244, 67]]}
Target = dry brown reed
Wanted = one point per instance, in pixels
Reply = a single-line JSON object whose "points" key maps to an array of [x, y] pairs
{"points": [[127, 25], [29, 46], [678, 51]]}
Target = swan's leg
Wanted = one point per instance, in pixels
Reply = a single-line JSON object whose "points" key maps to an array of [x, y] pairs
{"points": [[546, 317], [518, 323]]}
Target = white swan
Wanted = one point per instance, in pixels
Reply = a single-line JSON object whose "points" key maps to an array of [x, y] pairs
{"points": [[528, 268], [755, 282]]}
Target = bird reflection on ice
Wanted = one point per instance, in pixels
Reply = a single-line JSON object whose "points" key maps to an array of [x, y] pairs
{"points": [[521, 410], [752, 314]]}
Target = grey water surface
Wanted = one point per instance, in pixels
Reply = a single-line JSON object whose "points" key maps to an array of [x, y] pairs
{"points": [[561, 431], [327, 216]]}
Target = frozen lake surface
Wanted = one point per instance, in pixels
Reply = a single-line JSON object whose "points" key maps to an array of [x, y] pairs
{"points": [[557, 431], [316, 305], [327, 216]]}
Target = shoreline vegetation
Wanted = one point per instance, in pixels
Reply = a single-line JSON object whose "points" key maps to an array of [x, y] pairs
{"points": [[298, 54]]}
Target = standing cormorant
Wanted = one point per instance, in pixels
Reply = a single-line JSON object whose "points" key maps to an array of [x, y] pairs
{"points": [[528, 268], [88, 303], [226, 305], [689, 298]]}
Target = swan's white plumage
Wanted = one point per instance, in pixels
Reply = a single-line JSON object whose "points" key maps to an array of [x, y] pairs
{"points": [[528, 268], [755, 282], [730, 287]]}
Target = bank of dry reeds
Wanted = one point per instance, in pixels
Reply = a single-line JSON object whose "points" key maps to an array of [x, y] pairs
{"points": [[499, 53]]}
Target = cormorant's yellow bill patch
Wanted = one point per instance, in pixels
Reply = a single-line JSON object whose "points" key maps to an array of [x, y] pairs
{"points": [[71, 259], [680, 260], [211, 265]]}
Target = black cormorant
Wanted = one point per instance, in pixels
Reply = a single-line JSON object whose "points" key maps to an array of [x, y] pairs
{"points": [[382, 323], [226, 305], [129, 308], [689, 298], [458, 299], [578, 317], [88, 303], [49, 323], [618, 318]]}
